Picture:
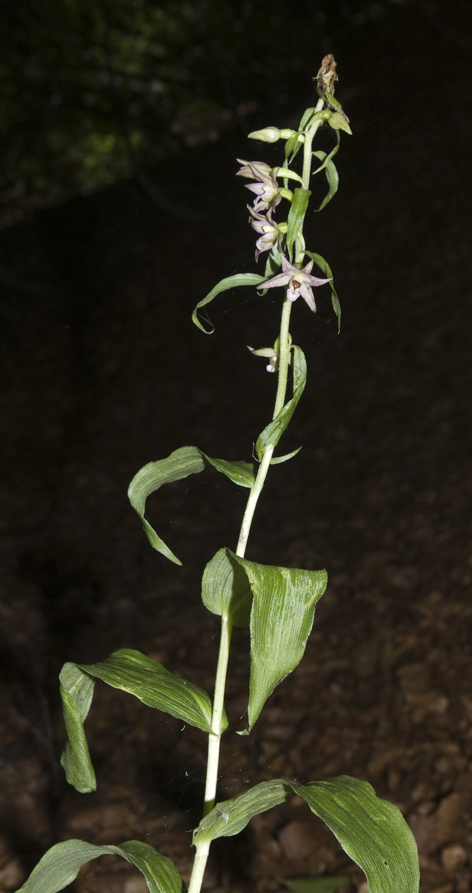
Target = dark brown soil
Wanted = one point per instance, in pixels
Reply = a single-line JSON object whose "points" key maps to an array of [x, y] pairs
{"points": [[105, 372]]}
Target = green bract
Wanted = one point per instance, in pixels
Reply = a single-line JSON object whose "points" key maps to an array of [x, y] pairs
{"points": [[271, 435], [225, 285], [326, 269], [296, 216]]}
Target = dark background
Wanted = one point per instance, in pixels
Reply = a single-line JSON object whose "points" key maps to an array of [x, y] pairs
{"points": [[120, 210]]}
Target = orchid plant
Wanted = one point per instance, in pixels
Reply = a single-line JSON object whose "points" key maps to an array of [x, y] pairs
{"points": [[277, 603]]}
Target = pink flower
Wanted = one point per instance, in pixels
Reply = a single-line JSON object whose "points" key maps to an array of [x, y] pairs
{"points": [[299, 282], [267, 189], [269, 230]]}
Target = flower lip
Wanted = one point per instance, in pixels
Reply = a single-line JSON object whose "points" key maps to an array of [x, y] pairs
{"points": [[300, 282]]}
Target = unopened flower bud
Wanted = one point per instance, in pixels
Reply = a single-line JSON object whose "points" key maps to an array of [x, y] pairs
{"points": [[267, 135], [272, 134], [270, 353], [339, 121]]}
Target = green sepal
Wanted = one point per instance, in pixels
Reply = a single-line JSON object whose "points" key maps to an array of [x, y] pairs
{"points": [[296, 215], [230, 816], [271, 435], [340, 121], [282, 614], [331, 176], [371, 831], [61, 864], [224, 285], [180, 464], [138, 675], [326, 269], [226, 590], [277, 460]]}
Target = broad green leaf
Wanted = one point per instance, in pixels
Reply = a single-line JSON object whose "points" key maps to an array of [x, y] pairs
{"points": [[230, 816], [76, 693], [317, 884], [296, 215], [151, 683], [226, 590], [331, 176], [326, 269], [224, 285], [271, 435], [61, 864], [180, 464], [283, 609], [138, 675], [330, 156], [371, 831], [279, 459]]}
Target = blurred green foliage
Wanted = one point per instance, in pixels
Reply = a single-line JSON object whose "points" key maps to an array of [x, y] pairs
{"points": [[92, 90]]}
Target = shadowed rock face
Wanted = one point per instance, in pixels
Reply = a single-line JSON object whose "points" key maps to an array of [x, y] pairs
{"points": [[108, 373]]}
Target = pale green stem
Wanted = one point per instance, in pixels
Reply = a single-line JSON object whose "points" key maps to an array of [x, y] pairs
{"points": [[307, 147], [284, 355], [214, 739], [199, 865], [217, 716]]}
